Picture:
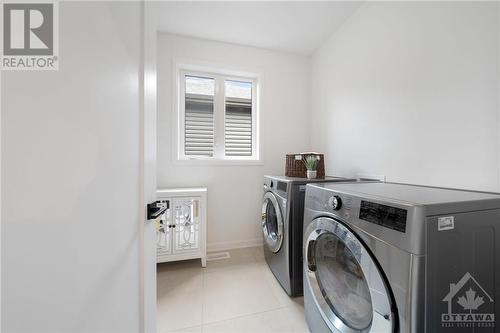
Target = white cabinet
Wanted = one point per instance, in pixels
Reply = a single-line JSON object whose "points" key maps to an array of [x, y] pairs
{"points": [[181, 231]]}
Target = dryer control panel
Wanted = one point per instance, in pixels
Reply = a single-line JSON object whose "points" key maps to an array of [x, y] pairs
{"points": [[386, 216]]}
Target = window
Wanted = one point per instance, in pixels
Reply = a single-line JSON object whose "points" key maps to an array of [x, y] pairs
{"points": [[217, 117]]}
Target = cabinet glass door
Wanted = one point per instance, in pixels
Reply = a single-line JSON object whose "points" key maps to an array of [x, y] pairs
{"points": [[186, 219], [163, 234]]}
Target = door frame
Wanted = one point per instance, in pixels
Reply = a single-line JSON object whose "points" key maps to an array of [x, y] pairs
{"points": [[148, 138]]}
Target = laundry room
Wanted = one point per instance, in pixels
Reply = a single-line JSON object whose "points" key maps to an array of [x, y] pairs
{"points": [[396, 92], [250, 166]]}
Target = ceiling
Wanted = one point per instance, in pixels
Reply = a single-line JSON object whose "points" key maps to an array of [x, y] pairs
{"points": [[291, 26]]}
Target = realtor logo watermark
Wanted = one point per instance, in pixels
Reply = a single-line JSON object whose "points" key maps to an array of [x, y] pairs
{"points": [[469, 305], [29, 36]]}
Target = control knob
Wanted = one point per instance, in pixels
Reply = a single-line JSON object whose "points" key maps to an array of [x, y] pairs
{"points": [[335, 202]]}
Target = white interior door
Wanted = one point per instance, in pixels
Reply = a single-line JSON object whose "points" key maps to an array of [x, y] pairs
{"points": [[78, 167]]}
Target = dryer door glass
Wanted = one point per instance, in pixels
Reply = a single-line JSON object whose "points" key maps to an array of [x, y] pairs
{"points": [[342, 276], [272, 222]]}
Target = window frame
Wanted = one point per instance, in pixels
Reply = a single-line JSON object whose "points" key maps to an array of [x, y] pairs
{"points": [[219, 76]]}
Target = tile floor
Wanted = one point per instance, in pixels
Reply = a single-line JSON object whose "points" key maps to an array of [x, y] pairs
{"points": [[239, 294]]}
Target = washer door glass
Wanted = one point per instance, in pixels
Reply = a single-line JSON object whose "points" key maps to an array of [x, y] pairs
{"points": [[272, 222], [342, 282], [345, 281]]}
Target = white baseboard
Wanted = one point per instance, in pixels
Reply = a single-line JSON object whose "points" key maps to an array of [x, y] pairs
{"points": [[223, 246]]}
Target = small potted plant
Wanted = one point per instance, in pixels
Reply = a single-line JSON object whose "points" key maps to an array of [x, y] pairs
{"points": [[311, 162]]}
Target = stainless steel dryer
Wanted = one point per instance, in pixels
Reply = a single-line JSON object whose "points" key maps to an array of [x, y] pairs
{"points": [[282, 218], [385, 257]]}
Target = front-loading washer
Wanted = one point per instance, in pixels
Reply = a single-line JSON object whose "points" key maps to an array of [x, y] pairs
{"points": [[281, 221], [386, 257]]}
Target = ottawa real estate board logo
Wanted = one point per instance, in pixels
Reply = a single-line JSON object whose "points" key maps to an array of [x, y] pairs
{"points": [[29, 36], [469, 305]]}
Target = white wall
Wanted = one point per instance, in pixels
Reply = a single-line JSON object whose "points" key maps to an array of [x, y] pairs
{"points": [[410, 90], [234, 192], [70, 179]]}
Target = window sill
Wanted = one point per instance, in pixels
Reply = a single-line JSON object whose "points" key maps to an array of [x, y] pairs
{"points": [[207, 162]]}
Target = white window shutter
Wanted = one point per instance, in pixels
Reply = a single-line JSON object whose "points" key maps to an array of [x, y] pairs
{"points": [[199, 125], [238, 127]]}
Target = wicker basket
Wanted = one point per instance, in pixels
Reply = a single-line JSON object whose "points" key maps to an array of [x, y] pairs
{"points": [[295, 166]]}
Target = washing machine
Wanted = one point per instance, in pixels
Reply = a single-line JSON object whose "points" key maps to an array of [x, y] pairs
{"points": [[281, 222], [386, 257]]}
